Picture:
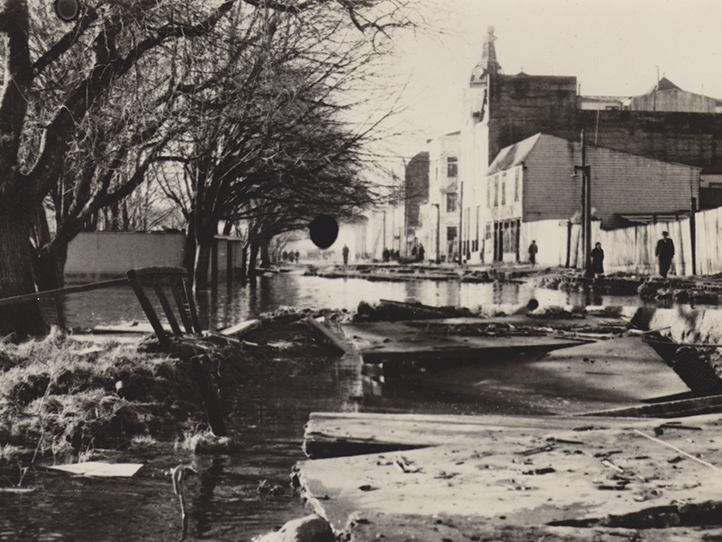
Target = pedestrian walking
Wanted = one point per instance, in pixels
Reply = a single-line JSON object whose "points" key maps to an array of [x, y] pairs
{"points": [[533, 249], [421, 253], [597, 259], [665, 253], [345, 255]]}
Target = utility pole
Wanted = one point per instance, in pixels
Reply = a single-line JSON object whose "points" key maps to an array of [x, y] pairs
{"points": [[438, 230], [586, 209], [693, 233], [461, 222]]}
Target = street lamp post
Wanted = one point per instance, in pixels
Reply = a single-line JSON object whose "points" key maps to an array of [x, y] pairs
{"points": [[438, 229]]}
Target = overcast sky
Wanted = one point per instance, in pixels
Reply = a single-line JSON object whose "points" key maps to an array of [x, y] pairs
{"points": [[613, 47]]}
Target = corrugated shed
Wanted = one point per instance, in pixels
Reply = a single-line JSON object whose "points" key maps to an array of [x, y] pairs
{"points": [[622, 183], [627, 184]]}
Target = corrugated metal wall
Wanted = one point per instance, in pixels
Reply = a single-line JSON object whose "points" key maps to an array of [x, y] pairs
{"points": [[622, 184], [632, 249]]}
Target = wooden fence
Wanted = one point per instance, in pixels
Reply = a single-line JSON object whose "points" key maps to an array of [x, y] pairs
{"points": [[632, 249]]}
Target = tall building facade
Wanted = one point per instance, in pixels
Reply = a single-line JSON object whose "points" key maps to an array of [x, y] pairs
{"points": [[666, 124]]}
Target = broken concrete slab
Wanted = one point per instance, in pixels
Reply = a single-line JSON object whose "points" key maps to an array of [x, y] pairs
{"points": [[335, 434], [365, 526], [533, 477], [402, 348]]}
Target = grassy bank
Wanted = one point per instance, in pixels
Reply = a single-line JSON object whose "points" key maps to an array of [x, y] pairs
{"points": [[63, 397]]}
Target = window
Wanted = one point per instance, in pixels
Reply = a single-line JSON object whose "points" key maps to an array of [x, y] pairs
{"points": [[489, 181], [503, 188], [452, 166], [496, 190], [517, 179], [451, 233], [451, 202]]}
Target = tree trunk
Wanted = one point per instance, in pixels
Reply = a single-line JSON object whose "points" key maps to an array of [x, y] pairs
{"points": [[203, 260], [189, 250], [50, 268], [252, 260], [16, 271], [265, 256], [50, 258], [244, 261], [205, 236]]}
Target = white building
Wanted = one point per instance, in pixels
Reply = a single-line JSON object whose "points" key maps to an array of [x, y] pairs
{"points": [[441, 216]]}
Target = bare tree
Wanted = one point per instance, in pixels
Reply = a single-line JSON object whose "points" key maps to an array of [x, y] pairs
{"points": [[87, 108], [267, 141], [58, 81]]}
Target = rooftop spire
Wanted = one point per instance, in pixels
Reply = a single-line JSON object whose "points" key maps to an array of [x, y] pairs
{"points": [[488, 63]]}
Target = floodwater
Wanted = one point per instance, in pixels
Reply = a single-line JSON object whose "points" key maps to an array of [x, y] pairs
{"points": [[227, 499], [229, 305]]}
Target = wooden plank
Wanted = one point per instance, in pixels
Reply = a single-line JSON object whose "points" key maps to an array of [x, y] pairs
{"points": [[67, 290], [526, 476], [326, 334], [670, 409], [147, 307], [179, 295], [241, 329], [140, 327], [167, 309]]}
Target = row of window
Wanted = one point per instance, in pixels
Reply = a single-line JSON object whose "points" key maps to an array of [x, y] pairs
{"points": [[496, 184], [499, 188]]}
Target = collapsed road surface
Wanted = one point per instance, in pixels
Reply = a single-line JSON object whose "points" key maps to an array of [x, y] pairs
{"points": [[586, 475], [556, 477]]}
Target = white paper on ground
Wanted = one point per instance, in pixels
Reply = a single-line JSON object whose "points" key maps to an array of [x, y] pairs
{"points": [[98, 468]]}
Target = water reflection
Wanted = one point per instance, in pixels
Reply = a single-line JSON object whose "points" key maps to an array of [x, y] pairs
{"points": [[235, 302]]}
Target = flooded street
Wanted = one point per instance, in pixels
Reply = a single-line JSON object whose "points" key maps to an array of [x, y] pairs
{"points": [[225, 306], [230, 497]]}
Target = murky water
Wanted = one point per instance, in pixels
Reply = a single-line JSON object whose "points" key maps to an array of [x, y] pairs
{"points": [[224, 502], [227, 306]]}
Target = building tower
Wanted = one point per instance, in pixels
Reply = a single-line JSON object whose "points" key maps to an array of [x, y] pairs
{"points": [[488, 63], [474, 142]]}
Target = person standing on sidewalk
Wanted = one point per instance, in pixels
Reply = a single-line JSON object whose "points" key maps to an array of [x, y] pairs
{"points": [[665, 253], [533, 249], [598, 259]]}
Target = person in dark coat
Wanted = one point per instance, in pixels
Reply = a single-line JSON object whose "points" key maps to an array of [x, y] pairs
{"points": [[421, 253], [345, 255], [665, 253], [598, 259], [533, 249]]}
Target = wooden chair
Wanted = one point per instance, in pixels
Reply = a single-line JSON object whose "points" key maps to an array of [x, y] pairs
{"points": [[160, 280]]}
